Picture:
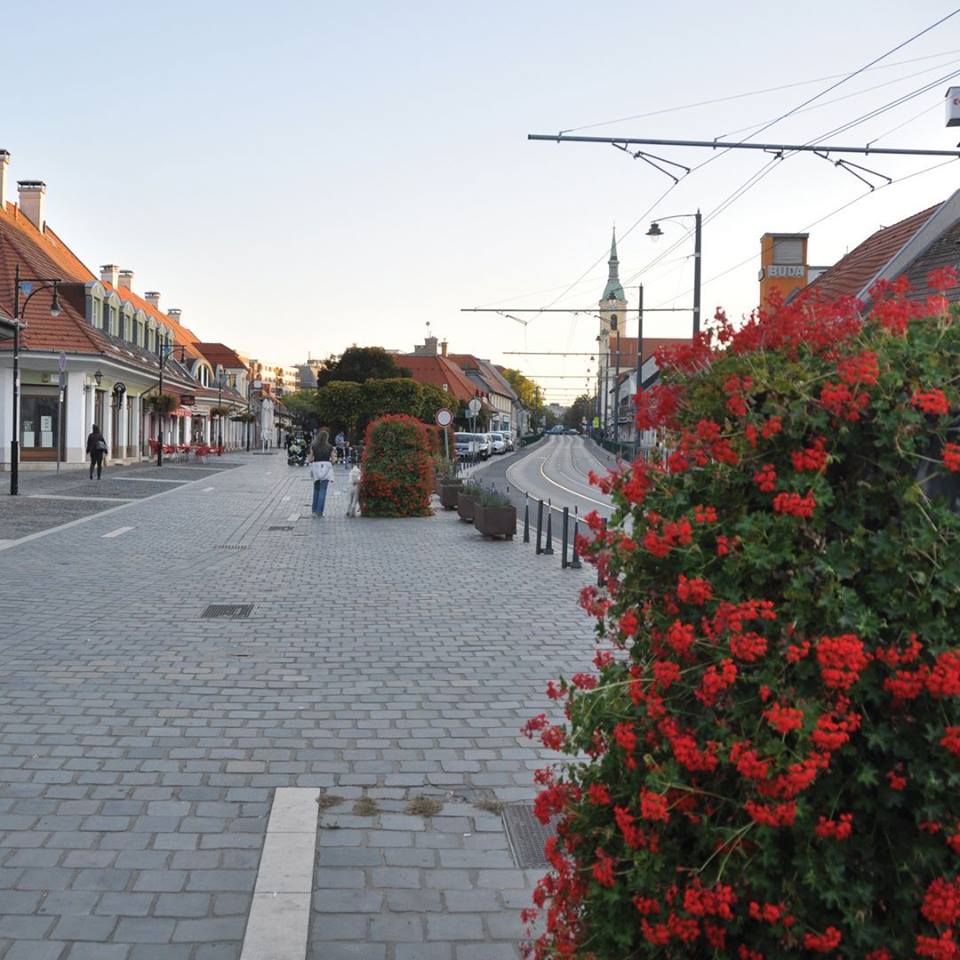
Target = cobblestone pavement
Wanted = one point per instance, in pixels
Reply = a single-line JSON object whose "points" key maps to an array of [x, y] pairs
{"points": [[47, 500], [141, 743]]}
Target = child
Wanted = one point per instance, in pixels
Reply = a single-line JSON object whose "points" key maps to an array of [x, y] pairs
{"points": [[353, 507]]}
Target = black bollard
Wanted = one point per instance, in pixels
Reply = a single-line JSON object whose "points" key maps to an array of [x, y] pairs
{"points": [[539, 525], [526, 518], [548, 549], [563, 554], [603, 530], [575, 563]]}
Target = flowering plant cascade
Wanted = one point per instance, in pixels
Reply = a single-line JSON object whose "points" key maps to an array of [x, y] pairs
{"points": [[767, 758], [397, 474]]}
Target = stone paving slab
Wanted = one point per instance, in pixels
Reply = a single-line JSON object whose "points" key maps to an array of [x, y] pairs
{"points": [[47, 500], [391, 886], [141, 745]]}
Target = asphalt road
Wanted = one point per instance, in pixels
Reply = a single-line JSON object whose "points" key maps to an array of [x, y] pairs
{"points": [[555, 469]]}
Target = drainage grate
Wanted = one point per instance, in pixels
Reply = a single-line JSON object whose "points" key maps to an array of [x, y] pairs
{"points": [[279, 528], [230, 546], [527, 835], [232, 611]]}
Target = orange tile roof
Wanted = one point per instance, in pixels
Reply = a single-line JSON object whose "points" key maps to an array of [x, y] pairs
{"points": [[853, 272], [439, 371], [220, 353]]}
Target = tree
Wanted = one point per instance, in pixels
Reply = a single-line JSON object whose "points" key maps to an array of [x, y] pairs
{"points": [[766, 762], [529, 393], [302, 405], [340, 406], [580, 410], [360, 364]]}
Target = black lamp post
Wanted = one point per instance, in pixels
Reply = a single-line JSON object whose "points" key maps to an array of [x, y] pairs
{"points": [[220, 408], [164, 352], [18, 310], [655, 232]]}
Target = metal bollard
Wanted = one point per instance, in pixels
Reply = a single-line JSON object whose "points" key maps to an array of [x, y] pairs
{"points": [[599, 574], [548, 549], [563, 553], [539, 525], [575, 563], [526, 518]]}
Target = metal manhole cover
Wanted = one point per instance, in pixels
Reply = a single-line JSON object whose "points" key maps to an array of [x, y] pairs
{"points": [[231, 611], [230, 546], [526, 834], [280, 528]]}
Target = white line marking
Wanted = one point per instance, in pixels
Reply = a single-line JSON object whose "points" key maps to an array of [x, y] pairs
{"points": [[116, 533], [63, 496], [582, 496], [294, 516], [206, 489], [280, 914], [284, 498]]}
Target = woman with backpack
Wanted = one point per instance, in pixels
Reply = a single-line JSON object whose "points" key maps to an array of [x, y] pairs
{"points": [[96, 450]]}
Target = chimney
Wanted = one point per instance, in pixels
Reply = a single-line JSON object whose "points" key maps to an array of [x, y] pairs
{"points": [[31, 201], [443, 347], [109, 274], [430, 346], [126, 280], [153, 298], [174, 314], [4, 160]]}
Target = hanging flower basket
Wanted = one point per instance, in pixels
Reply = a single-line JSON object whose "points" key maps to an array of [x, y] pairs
{"points": [[220, 411], [244, 417], [163, 403]]}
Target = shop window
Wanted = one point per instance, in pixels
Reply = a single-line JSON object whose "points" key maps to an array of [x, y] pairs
{"points": [[38, 422]]}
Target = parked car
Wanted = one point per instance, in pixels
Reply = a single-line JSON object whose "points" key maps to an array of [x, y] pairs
{"points": [[509, 441], [555, 430], [467, 445], [497, 443], [486, 445]]}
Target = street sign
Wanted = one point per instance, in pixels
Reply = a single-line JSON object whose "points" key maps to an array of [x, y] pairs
{"points": [[62, 362], [444, 417], [473, 407]]}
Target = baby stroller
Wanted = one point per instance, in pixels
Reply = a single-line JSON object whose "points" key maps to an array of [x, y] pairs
{"points": [[297, 454]]}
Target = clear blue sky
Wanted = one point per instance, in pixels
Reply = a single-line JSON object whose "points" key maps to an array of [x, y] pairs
{"points": [[301, 176]]}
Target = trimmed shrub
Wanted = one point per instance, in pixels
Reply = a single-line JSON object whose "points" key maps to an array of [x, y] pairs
{"points": [[772, 733], [397, 469]]}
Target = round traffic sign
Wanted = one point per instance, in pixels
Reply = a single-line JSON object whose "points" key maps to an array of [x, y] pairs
{"points": [[444, 417], [473, 407]]}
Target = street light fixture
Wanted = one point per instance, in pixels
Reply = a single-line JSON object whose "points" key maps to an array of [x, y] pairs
{"points": [[23, 284], [98, 376], [656, 232], [220, 408]]}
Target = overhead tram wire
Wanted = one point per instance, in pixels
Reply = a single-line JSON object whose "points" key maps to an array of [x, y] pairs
{"points": [[767, 168], [752, 93], [839, 82], [817, 222]]}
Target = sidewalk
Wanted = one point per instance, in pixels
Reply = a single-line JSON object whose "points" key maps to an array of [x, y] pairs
{"points": [[142, 740]]}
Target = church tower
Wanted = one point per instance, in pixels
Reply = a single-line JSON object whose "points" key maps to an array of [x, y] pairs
{"points": [[613, 306]]}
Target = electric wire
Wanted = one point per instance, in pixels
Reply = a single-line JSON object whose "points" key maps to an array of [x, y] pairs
{"points": [[751, 93]]}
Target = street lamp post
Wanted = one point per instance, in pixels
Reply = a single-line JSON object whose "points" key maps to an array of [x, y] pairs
{"points": [[249, 413], [18, 310], [220, 409], [164, 352], [655, 232]]}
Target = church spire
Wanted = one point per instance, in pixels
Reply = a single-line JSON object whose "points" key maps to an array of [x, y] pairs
{"points": [[613, 290]]}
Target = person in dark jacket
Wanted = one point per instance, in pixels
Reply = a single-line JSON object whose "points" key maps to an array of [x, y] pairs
{"points": [[96, 450]]}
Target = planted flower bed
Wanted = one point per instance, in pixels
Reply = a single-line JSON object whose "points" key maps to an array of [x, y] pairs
{"points": [[494, 515], [772, 730]]}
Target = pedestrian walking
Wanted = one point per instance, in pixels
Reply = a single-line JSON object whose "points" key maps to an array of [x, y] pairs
{"points": [[96, 450], [321, 470]]}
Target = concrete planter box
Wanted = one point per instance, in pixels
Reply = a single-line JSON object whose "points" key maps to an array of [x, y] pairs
{"points": [[465, 507], [495, 521], [449, 491]]}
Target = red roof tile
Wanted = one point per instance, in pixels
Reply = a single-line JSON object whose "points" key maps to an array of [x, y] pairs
{"points": [[853, 272], [220, 353], [440, 371]]}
